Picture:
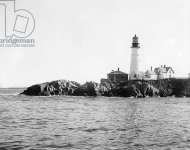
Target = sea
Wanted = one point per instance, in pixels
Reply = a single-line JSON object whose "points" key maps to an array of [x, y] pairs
{"points": [[93, 123]]}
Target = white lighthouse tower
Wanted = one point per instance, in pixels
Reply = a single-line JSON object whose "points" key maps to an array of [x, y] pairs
{"points": [[134, 72]]}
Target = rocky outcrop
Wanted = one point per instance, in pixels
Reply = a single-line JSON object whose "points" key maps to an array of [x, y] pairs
{"points": [[59, 87], [105, 89], [181, 87], [63, 87], [87, 89], [132, 88]]}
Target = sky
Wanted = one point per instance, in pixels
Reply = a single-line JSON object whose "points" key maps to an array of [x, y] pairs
{"points": [[83, 40]]}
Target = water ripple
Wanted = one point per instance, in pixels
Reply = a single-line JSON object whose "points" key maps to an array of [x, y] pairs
{"points": [[57, 123]]}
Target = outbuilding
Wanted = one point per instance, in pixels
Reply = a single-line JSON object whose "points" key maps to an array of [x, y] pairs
{"points": [[117, 76]]}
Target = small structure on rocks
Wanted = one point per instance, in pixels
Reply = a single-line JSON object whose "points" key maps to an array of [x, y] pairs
{"points": [[116, 77]]}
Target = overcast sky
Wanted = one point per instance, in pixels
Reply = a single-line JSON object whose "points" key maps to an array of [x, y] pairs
{"points": [[83, 40]]}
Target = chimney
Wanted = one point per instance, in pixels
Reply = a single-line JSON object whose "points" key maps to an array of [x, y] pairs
{"points": [[151, 68], [117, 69], [164, 66]]}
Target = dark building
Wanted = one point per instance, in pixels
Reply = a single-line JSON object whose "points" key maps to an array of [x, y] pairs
{"points": [[117, 76]]}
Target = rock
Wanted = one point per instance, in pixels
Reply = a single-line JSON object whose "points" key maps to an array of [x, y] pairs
{"points": [[59, 87], [149, 90], [105, 89], [180, 87], [129, 91], [34, 90], [87, 89]]}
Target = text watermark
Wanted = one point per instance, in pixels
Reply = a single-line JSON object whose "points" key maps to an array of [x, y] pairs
{"points": [[19, 24]]}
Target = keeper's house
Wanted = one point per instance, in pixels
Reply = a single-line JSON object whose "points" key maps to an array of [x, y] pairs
{"points": [[116, 77], [163, 72]]}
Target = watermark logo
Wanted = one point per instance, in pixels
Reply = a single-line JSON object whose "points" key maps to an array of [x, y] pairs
{"points": [[18, 24]]}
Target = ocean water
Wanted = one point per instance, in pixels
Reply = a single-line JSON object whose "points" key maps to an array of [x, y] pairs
{"points": [[86, 123]]}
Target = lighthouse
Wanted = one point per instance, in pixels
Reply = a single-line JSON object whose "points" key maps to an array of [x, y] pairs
{"points": [[134, 72]]}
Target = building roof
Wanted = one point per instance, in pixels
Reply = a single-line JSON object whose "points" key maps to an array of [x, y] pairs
{"points": [[163, 70], [117, 72]]}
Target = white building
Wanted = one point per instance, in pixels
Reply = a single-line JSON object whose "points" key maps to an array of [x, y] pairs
{"points": [[134, 66], [163, 72], [150, 75]]}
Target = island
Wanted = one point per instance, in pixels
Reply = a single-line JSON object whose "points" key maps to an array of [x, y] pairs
{"points": [[132, 88], [158, 81]]}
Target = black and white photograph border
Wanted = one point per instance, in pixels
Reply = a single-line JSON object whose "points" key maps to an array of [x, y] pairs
{"points": [[94, 75]]}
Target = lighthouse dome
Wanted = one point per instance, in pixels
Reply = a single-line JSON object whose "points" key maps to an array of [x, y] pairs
{"points": [[135, 39], [135, 42]]}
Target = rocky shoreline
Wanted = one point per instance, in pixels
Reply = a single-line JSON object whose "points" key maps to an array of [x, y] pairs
{"points": [[132, 88]]}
